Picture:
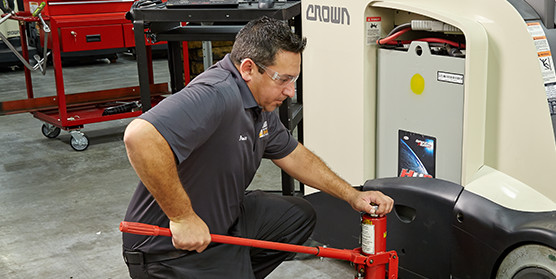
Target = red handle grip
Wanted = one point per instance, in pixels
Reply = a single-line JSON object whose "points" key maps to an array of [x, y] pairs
{"points": [[143, 229]]}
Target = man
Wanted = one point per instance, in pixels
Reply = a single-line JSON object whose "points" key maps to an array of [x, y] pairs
{"points": [[198, 150]]}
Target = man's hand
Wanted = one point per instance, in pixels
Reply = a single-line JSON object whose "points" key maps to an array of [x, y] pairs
{"points": [[361, 201], [190, 233]]}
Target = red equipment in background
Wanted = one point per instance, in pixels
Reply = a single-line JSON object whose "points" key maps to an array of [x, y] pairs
{"points": [[88, 25], [82, 26], [368, 266]]}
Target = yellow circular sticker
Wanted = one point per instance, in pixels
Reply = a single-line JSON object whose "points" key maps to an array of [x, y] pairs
{"points": [[417, 84]]}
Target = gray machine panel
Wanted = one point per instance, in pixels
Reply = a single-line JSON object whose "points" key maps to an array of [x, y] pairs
{"points": [[419, 100]]}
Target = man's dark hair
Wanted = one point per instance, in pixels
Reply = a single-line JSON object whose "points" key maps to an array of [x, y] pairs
{"points": [[262, 38]]}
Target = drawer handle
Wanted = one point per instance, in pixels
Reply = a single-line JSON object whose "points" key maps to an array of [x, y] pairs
{"points": [[93, 38]]}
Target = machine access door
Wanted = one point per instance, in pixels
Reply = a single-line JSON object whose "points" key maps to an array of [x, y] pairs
{"points": [[420, 99]]}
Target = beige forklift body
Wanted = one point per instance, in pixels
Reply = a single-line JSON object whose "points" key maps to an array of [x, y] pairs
{"points": [[508, 150]]}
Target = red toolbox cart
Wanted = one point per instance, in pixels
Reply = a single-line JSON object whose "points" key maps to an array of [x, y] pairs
{"points": [[82, 26]]}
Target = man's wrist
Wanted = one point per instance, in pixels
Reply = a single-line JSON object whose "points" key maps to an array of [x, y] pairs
{"points": [[182, 217]]}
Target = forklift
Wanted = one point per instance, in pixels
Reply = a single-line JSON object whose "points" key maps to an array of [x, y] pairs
{"points": [[449, 107]]}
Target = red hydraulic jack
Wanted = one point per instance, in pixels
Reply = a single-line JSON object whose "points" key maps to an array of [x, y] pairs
{"points": [[369, 260]]}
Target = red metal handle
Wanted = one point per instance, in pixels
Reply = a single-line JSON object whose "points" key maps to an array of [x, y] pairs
{"points": [[145, 229]]}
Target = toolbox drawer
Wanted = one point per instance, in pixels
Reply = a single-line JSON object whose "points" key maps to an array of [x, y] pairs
{"points": [[91, 37]]}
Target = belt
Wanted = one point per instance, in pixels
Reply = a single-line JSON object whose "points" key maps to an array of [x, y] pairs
{"points": [[140, 258]]}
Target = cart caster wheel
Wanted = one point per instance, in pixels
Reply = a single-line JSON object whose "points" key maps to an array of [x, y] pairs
{"points": [[50, 131], [79, 141]]}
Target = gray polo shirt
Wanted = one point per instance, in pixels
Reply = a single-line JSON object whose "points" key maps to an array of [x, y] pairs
{"points": [[219, 135]]}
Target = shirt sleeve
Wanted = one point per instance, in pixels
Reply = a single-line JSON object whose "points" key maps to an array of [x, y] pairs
{"points": [[188, 118], [281, 142]]}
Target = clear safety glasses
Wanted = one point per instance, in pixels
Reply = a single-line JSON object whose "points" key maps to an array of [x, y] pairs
{"points": [[282, 80]]}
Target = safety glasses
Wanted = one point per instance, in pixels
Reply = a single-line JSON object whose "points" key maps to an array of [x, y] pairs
{"points": [[282, 80]]}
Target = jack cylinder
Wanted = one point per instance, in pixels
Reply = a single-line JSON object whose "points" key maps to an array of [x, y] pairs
{"points": [[373, 241]]}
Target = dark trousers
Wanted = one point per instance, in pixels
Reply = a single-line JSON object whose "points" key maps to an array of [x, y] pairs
{"points": [[264, 216]]}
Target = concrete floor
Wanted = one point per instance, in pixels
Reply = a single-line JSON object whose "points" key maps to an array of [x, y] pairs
{"points": [[61, 208]]}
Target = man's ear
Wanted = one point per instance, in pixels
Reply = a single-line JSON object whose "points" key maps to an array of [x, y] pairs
{"points": [[247, 69]]}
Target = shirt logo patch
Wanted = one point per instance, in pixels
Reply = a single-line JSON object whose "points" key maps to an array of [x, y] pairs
{"points": [[242, 138], [264, 130]]}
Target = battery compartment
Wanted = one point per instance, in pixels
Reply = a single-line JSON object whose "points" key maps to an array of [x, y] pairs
{"points": [[420, 74]]}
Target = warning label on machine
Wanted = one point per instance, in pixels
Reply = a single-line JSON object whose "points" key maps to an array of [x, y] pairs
{"points": [[545, 61], [373, 29]]}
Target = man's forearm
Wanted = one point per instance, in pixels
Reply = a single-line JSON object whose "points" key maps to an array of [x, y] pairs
{"points": [[310, 170], [306, 167]]}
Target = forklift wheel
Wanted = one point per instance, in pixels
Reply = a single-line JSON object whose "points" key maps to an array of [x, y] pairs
{"points": [[50, 131], [529, 261]]}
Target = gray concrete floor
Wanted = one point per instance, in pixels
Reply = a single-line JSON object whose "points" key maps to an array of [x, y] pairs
{"points": [[61, 208]]}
